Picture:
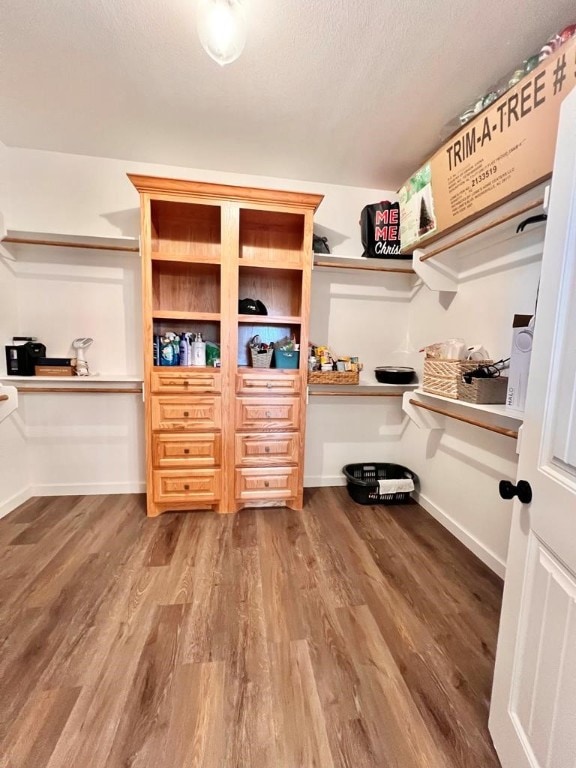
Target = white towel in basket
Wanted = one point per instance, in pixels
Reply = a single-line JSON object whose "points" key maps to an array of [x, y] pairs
{"points": [[403, 485]]}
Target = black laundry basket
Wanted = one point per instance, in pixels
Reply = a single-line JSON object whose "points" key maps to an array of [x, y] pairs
{"points": [[362, 482]]}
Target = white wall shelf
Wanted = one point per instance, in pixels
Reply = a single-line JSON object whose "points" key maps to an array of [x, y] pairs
{"points": [[116, 378], [389, 266], [367, 389], [486, 246], [429, 412], [14, 240]]}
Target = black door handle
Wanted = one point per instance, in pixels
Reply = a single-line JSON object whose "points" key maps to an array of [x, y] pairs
{"points": [[523, 490]]}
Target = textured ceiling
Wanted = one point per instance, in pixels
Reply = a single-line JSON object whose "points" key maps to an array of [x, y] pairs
{"points": [[345, 91]]}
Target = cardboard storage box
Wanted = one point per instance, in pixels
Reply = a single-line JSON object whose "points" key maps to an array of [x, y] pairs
{"points": [[484, 391]]}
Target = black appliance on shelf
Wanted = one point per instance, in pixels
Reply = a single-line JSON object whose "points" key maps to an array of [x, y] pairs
{"points": [[21, 358]]}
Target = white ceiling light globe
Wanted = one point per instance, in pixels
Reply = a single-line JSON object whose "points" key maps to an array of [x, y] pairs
{"points": [[222, 29]]}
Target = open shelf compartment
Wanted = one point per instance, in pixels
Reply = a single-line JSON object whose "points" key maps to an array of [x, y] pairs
{"points": [[185, 231], [268, 335], [185, 287], [270, 238], [280, 290]]}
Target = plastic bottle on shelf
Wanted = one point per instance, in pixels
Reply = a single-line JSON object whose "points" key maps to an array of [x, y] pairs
{"points": [[198, 351], [184, 350]]}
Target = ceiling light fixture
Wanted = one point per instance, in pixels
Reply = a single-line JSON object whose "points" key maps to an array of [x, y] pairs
{"points": [[222, 29]]}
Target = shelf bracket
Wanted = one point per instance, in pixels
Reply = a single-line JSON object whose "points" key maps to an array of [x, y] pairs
{"points": [[436, 276], [422, 418], [9, 401]]}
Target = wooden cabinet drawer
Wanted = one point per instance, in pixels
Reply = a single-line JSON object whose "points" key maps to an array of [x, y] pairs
{"points": [[184, 414], [267, 413], [200, 450], [267, 449], [190, 485], [266, 483], [270, 383], [185, 381]]}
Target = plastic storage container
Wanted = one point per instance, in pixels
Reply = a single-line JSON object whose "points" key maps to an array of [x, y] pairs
{"points": [[284, 359], [362, 482]]}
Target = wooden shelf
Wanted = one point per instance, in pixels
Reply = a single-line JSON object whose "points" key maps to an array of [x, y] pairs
{"points": [[392, 266], [189, 258], [184, 369], [245, 263], [428, 411], [269, 319], [173, 314], [80, 242], [359, 390]]}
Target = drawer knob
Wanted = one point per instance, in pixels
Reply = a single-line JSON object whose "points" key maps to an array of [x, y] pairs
{"points": [[186, 413], [186, 383], [269, 385], [186, 487], [266, 484], [268, 415], [267, 449], [186, 451]]}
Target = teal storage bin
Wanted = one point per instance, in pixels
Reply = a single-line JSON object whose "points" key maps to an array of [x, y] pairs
{"points": [[286, 359]]}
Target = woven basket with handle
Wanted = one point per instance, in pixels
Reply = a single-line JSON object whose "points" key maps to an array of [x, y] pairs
{"points": [[441, 377], [259, 359]]}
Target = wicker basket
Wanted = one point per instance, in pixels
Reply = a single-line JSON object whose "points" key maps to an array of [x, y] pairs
{"points": [[441, 377], [259, 359], [333, 377]]}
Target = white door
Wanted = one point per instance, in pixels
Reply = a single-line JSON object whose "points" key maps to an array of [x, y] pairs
{"points": [[533, 710]]}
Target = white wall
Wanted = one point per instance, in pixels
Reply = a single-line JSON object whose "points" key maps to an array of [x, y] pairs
{"points": [[14, 481], [460, 467], [86, 443], [96, 443]]}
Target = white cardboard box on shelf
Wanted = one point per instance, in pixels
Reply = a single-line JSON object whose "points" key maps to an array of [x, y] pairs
{"points": [[523, 330]]}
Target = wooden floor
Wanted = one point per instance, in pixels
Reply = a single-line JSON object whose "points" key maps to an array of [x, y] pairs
{"points": [[341, 636]]}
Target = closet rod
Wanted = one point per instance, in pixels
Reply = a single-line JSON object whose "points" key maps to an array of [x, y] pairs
{"points": [[500, 430], [68, 244], [80, 390], [490, 225], [3, 397], [333, 265], [334, 392]]}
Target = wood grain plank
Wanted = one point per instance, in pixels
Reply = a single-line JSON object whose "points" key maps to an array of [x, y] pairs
{"points": [[301, 737], [149, 688], [164, 543], [342, 636], [38, 729]]}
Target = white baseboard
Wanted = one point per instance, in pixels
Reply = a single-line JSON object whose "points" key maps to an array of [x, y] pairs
{"points": [[88, 489], [14, 501], [323, 481], [471, 542]]}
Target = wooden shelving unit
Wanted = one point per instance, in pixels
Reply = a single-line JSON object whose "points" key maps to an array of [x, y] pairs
{"points": [[233, 436]]}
